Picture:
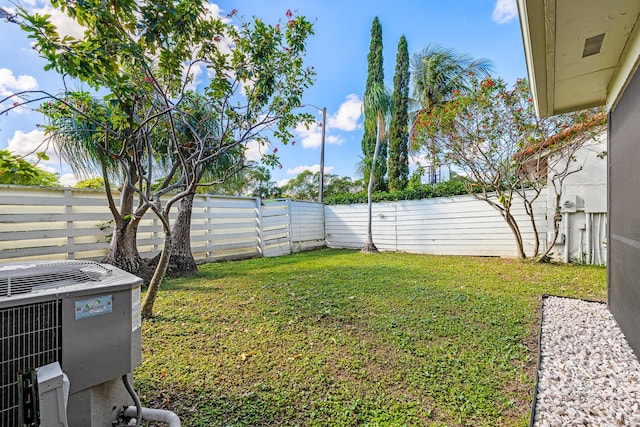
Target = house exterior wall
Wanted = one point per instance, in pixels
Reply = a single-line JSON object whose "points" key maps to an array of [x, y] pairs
{"points": [[624, 212], [583, 237]]}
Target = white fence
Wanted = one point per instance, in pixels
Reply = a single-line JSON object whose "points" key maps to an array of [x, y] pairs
{"points": [[56, 224], [460, 225]]}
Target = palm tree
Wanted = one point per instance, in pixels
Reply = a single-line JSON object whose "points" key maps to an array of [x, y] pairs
{"points": [[437, 74], [85, 142], [377, 103]]}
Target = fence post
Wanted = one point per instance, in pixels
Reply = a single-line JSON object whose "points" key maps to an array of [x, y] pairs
{"points": [[209, 222], [289, 226], [324, 225], [68, 211], [395, 226], [259, 226], [154, 234]]}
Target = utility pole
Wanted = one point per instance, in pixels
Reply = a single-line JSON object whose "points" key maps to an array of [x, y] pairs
{"points": [[324, 125]]}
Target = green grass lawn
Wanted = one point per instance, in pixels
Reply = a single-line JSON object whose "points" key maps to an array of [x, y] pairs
{"points": [[335, 337]]}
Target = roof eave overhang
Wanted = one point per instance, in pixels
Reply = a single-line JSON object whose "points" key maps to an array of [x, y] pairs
{"points": [[538, 25], [532, 24]]}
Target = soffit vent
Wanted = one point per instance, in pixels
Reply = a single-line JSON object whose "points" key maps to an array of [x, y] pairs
{"points": [[592, 45], [32, 277]]}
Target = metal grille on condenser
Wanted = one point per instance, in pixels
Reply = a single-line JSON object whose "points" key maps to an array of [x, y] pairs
{"points": [[31, 337], [54, 275]]}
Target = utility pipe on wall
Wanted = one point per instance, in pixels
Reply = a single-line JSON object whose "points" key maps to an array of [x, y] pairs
{"points": [[587, 218], [566, 237]]}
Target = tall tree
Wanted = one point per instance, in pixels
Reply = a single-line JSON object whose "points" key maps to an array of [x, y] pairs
{"points": [[398, 128], [147, 55], [492, 134], [438, 74], [375, 76], [377, 103]]}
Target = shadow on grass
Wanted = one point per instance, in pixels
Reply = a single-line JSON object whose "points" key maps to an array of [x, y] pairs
{"points": [[203, 408]]}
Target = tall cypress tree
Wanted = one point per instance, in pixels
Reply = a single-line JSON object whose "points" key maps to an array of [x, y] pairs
{"points": [[398, 129], [375, 74]]}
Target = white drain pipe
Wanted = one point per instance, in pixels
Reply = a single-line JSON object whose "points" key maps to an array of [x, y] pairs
{"points": [[566, 237], [587, 217], [151, 414]]}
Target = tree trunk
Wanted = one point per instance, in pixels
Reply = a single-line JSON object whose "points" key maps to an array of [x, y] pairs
{"points": [[536, 242], [504, 208], [158, 274], [181, 262], [369, 247], [513, 225], [123, 252]]}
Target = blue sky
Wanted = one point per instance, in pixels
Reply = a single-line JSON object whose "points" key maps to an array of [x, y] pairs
{"points": [[338, 51]]}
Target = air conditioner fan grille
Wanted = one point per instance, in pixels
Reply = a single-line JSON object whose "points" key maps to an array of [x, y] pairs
{"points": [[29, 278]]}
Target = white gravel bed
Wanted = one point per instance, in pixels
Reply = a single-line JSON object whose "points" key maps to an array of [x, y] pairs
{"points": [[588, 373]]}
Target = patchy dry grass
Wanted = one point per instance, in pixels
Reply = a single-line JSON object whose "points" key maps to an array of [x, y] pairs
{"points": [[340, 338]]}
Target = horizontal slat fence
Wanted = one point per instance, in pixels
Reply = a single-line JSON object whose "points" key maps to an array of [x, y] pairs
{"points": [[460, 225], [59, 224]]}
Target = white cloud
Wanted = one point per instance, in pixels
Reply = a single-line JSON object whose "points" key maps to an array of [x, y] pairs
{"points": [[26, 144], [504, 11], [310, 138], [213, 9], [10, 84], [30, 143], [419, 159], [335, 140], [314, 168], [65, 25], [283, 182], [68, 180], [346, 118], [253, 151]]}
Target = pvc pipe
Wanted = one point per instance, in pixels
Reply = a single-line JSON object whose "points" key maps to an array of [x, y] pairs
{"points": [[566, 237], [599, 233], [580, 243], [150, 414], [587, 218]]}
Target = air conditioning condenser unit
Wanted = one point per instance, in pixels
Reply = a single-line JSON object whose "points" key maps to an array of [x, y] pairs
{"points": [[81, 314]]}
